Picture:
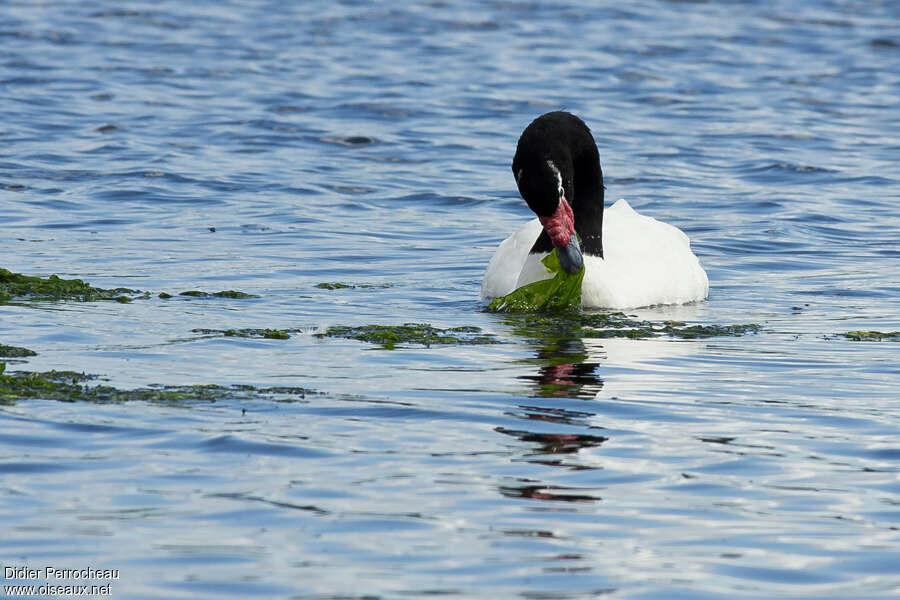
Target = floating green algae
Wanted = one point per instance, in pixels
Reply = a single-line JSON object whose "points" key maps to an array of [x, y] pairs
{"points": [[572, 325], [272, 334], [872, 336], [15, 286], [334, 286], [388, 336], [69, 386], [234, 294], [337, 285], [223, 294], [690, 332], [50, 385], [15, 352], [560, 292], [557, 326]]}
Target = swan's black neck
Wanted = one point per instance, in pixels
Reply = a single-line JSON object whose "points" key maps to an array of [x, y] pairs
{"points": [[587, 204], [558, 148]]}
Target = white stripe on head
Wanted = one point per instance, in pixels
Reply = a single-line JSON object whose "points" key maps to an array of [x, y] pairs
{"points": [[559, 181]]}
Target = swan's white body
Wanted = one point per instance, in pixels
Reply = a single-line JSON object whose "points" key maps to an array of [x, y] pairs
{"points": [[646, 262]]}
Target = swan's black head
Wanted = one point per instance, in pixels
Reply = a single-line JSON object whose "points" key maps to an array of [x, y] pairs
{"points": [[557, 169]]}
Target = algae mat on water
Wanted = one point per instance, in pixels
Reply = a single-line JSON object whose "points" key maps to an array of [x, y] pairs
{"points": [[15, 352], [18, 286], [574, 325], [223, 294], [339, 285], [73, 387], [388, 336], [69, 386], [271, 334], [872, 336], [15, 286], [536, 326]]}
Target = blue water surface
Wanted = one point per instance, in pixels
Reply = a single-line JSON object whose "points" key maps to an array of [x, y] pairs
{"points": [[268, 147]]}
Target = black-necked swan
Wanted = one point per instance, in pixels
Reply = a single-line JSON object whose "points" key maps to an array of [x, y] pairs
{"points": [[630, 260]]}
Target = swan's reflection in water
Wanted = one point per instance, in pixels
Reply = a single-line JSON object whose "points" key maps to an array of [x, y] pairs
{"points": [[546, 492], [565, 369], [560, 420]]}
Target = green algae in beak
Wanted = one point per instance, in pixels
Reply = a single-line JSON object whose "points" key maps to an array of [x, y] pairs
{"points": [[560, 292]]}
